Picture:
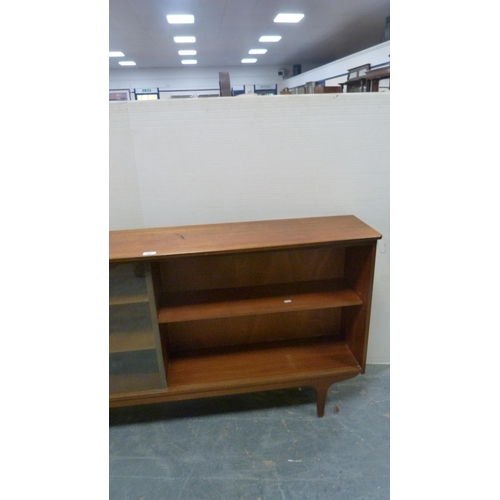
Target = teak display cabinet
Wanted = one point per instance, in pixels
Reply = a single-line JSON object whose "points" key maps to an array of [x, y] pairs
{"points": [[212, 310]]}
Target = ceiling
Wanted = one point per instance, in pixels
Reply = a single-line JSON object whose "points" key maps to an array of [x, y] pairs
{"points": [[226, 30]]}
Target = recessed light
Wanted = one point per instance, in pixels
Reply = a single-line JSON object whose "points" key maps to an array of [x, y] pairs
{"points": [[187, 52], [184, 39], [116, 54], [126, 63], [288, 18], [248, 61], [189, 61], [180, 19], [257, 51], [267, 38]]}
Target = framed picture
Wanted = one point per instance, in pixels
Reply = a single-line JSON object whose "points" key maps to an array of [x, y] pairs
{"points": [[119, 95]]}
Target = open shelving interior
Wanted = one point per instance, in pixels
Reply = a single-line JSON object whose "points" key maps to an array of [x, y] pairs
{"points": [[255, 317], [260, 363], [228, 302]]}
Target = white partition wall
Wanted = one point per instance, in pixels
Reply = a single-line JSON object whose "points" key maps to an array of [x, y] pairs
{"points": [[125, 210], [252, 158]]}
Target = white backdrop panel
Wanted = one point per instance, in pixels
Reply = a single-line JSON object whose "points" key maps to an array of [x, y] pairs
{"points": [[253, 158]]}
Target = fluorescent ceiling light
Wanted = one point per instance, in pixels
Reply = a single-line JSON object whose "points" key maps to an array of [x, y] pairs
{"points": [[116, 54], [184, 39], [187, 52], [180, 19], [127, 63], [189, 61], [257, 51], [267, 38], [245, 61], [288, 18]]}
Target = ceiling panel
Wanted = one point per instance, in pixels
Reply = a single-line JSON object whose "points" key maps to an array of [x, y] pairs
{"points": [[227, 29]]}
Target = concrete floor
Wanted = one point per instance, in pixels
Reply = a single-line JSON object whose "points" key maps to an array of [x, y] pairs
{"points": [[262, 446]]}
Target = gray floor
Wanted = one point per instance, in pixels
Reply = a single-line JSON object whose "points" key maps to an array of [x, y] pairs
{"points": [[262, 446]]}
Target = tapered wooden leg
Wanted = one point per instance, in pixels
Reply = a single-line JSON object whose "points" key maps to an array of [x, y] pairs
{"points": [[321, 392]]}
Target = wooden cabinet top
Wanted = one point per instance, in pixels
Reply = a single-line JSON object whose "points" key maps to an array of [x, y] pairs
{"points": [[152, 243]]}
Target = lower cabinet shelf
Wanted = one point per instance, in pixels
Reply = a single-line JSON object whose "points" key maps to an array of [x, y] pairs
{"points": [[259, 364], [135, 341], [218, 372], [134, 382], [239, 307]]}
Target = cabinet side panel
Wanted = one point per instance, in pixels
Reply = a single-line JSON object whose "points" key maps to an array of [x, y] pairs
{"points": [[359, 271], [165, 348], [253, 329], [153, 310], [156, 277], [252, 268]]}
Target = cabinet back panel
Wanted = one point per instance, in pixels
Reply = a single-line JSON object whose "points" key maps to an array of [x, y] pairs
{"points": [[251, 269], [252, 329]]}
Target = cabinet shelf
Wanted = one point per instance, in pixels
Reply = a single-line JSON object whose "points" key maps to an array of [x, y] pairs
{"points": [[134, 382], [131, 341], [260, 363], [129, 299], [225, 303]]}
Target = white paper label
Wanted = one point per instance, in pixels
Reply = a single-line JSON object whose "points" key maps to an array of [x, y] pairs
{"points": [[148, 253]]}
